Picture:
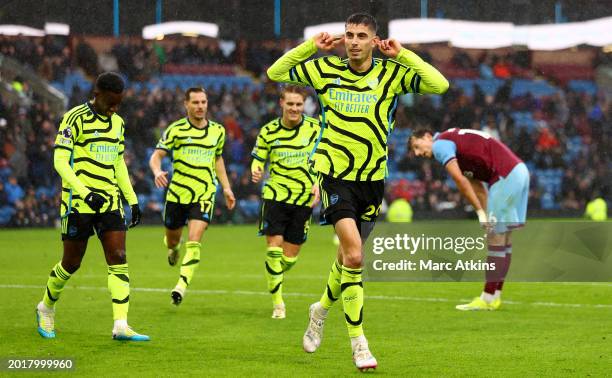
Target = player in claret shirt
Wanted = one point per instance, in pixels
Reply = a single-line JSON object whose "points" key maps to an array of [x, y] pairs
{"points": [[472, 158]]}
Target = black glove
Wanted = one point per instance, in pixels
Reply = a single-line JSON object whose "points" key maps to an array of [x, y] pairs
{"points": [[95, 201], [136, 214]]}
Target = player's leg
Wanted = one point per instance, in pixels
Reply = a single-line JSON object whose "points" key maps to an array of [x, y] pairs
{"points": [[75, 234], [74, 250], [111, 230], [332, 290], [295, 221], [290, 255], [496, 255], [507, 202], [345, 200], [274, 274], [174, 220], [503, 270], [317, 312], [353, 228], [352, 290], [519, 181], [351, 283], [113, 243], [498, 196], [295, 235], [331, 188], [172, 241], [273, 221], [191, 260]]}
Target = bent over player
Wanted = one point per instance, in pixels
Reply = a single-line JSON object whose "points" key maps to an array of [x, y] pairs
{"points": [[195, 144], [89, 158], [471, 158], [358, 98], [290, 192]]}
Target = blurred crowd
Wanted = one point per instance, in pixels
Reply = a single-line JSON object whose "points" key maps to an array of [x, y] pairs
{"points": [[568, 139], [53, 57], [50, 56]]}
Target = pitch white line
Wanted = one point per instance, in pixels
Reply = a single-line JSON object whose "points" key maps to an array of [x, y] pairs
{"points": [[293, 294], [322, 278]]}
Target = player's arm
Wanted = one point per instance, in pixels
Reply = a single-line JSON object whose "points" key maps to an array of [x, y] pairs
{"points": [[290, 68], [123, 181], [155, 162], [230, 200], [466, 189], [165, 144], [314, 190], [423, 77], [445, 152], [222, 177], [64, 145], [63, 150], [61, 163], [260, 156], [480, 190], [257, 169], [124, 184]]}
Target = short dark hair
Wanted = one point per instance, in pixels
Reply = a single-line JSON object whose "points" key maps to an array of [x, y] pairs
{"points": [[419, 133], [363, 19], [110, 81], [191, 90], [294, 89]]}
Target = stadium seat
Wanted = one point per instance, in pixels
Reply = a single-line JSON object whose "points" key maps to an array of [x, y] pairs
{"points": [[6, 212], [547, 201], [538, 88], [584, 86]]}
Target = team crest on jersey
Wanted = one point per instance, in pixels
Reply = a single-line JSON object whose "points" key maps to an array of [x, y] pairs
{"points": [[189, 140], [337, 81], [277, 142], [305, 141], [97, 134], [373, 83], [333, 199], [67, 133], [468, 174]]}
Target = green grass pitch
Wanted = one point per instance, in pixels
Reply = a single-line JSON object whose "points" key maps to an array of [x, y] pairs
{"points": [[223, 327]]}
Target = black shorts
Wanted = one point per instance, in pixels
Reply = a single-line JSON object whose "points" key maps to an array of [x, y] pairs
{"points": [[82, 226], [290, 221], [358, 200], [176, 215]]}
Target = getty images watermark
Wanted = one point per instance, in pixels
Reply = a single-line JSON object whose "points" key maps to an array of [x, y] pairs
{"points": [[461, 251], [405, 244]]}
